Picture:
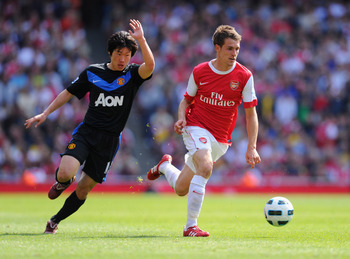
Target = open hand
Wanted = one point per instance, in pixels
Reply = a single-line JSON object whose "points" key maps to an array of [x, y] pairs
{"points": [[39, 119], [137, 32]]}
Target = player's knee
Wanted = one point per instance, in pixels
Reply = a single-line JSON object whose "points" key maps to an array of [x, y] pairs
{"points": [[205, 170], [82, 193], [63, 175], [181, 191], [83, 189]]}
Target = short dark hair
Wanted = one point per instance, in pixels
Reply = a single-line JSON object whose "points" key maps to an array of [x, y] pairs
{"points": [[223, 32], [121, 39]]}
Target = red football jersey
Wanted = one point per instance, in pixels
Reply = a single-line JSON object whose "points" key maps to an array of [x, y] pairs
{"points": [[215, 96]]}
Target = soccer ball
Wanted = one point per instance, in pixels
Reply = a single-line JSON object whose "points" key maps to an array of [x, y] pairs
{"points": [[278, 211]]}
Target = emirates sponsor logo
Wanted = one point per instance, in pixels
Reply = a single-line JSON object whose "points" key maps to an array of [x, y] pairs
{"points": [[216, 102]]}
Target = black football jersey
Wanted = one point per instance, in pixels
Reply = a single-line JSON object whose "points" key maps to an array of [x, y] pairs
{"points": [[111, 95]]}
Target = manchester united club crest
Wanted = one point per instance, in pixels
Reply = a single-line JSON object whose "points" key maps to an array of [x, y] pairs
{"points": [[71, 146], [234, 85], [120, 81]]}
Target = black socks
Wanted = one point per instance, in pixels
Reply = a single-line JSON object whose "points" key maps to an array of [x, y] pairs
{"points": [[71, 205]]}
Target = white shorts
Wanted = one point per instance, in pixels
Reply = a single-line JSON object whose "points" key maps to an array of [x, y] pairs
{"points": [[196, 138]]}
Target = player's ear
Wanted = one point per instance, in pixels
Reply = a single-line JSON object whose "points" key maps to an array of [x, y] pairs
{"points": [[110, 52]]}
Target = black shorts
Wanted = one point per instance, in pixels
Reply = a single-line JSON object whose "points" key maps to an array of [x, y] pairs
{"points": [[94, 147]]}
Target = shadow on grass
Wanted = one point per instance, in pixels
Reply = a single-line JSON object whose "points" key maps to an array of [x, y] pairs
{"points": [[109, 236], [124, 236], [260, 237], [22, 234], [115, 236]]}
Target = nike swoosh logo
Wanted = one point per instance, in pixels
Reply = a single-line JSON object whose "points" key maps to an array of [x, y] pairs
{"points": [[203, 83], [60, 187], [99, 82], [197, 192]]}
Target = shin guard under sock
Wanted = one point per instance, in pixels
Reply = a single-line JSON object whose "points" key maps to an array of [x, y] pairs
{"points": [[171, 173], [195, 199], [71, 205]]}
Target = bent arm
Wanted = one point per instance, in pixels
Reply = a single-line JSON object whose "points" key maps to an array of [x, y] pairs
{"points": [[147, 67], [60, 100]]}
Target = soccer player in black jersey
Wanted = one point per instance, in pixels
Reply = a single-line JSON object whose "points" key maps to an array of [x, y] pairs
{"points": [[112, 87]]}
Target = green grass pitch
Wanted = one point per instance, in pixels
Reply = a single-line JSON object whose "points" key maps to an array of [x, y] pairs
{"points": [[151, 225]]}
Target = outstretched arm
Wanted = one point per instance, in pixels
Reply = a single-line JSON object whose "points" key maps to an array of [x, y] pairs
{"points": [[61, 99], [252, 156], [146, 69]]}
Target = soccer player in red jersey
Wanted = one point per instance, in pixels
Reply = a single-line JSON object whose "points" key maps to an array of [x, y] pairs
{"points": [[206, 118]]}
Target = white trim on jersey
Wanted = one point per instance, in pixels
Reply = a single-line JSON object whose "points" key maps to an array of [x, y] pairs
{"points": [[249, 91], [192, 87], [219, 71]]}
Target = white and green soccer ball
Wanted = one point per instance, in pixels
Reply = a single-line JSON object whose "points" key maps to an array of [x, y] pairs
{"points": [[278, 211]]}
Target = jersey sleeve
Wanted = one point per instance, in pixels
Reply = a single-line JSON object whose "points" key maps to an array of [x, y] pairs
{"points": [[134, 69], [80, 86], [249, 96], [192, 88]]}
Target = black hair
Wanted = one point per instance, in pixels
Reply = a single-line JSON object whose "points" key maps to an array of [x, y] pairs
{"points": [[121, 39]]}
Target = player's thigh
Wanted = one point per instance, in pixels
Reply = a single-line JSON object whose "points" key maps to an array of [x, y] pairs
{"points": [[183, 181], [84, 186], [203, 162], [68, 167], [100, 158]]}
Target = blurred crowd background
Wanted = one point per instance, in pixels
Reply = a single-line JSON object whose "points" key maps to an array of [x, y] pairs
{"points": [[298, 51]]}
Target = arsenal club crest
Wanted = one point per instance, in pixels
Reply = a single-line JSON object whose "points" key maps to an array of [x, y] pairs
{"points": [[234, 85], [203, 140]]}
